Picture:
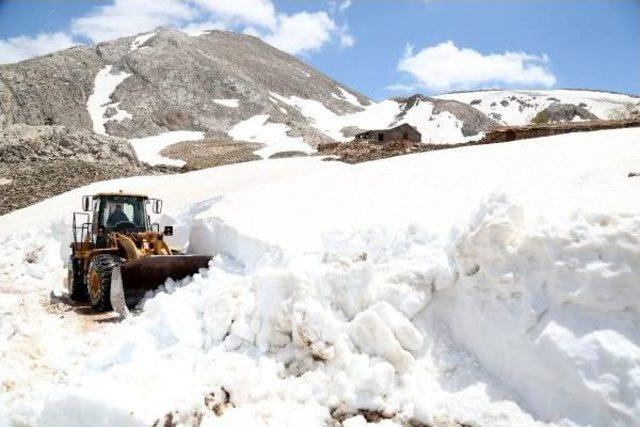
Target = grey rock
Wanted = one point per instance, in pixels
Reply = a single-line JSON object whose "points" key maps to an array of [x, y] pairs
{"points": [[22, 143], [48, 90], [473, 121], [38, 162], [561, 113]]}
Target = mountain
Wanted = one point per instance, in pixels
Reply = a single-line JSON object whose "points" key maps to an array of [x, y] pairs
{"points": [[225, 86], [218, 93], [167, 80], [520, 107]]}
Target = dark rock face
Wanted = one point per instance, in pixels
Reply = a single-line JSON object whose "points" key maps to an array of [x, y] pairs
{"points": [[23, 143], [49, 90], [38, 162], [562, 113], [175, 77]]}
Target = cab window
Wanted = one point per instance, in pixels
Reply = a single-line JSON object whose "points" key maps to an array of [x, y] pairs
{"points": [[125, 212]]}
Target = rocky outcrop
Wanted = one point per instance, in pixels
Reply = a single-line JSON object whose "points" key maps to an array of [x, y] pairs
{"points": [[562, 113], [49, 90], [24, 143], [473, 121], [38, 162]]}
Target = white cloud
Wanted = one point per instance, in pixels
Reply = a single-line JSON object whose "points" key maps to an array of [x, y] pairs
{"points": [[297, 33], [198, 28], [18, 48], [347, 40], [302, 32], [251, 12], [447, 67], [339, 5], [128, 17], [344, 5], [399, 87]]}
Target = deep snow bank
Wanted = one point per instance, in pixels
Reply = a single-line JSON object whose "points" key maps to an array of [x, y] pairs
{"points": [[491, 325], [396, 286]]}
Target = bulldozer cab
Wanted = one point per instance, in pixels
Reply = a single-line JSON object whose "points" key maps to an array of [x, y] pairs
{"points": [[105, 213], [121, 213]]}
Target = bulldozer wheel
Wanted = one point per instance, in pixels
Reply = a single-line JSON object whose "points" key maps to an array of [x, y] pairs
{"points": [[75, 284], [99, 281]]}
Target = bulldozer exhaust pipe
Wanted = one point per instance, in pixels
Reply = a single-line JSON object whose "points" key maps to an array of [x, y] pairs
{"points": [[130, 281]]}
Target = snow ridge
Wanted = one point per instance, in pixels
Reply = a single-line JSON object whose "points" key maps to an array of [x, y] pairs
{"points": [[99, 101], [148, 149]]}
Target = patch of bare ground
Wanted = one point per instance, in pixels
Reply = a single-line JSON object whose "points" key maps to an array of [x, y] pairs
{"points": [[210, 153], [358, 151], [30, 182], [339, 415], [364, 151]]}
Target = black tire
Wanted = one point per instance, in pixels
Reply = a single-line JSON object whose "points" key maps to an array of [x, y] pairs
{"points": [[76, 287], [99, 281]]}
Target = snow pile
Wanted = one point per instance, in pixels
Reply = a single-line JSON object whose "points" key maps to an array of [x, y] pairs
{"points": [[148, 149], [100, 100], [442, 128], [562, 303], [273, 135], [519, 107], [231, 103], [403, 323]]}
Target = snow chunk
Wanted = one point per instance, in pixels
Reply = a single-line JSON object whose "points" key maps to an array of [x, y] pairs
{"points": [[273, 135], [148, 148], [140, 40], [370, 331], [105, 84], [231, 103]]}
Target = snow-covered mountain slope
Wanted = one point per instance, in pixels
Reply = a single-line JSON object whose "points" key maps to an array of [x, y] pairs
{"points": [[226, 86], [166, 80], [519, 107], [507, 295], [439, 121]]}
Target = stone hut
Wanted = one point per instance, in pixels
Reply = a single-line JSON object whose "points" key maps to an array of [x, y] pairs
{"points": [[404, 132]]}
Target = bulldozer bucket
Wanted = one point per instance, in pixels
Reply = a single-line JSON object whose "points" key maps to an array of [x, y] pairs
{"points": [[133, 279]]}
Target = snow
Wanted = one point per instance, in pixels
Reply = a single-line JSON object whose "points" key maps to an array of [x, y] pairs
{"points": [[348, 96], [521, 106], [505, 295], [231, 103], [442, 128], [273, 135], [141, 40], [105, 84], [148, 149]]}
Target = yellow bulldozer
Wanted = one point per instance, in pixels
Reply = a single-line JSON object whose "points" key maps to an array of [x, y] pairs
{"points": [[118, 254]]}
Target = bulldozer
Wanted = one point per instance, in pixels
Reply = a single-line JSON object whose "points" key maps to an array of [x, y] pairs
{"points": [[117, 254]]}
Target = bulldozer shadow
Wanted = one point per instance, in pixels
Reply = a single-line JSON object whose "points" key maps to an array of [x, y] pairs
{"points": [[82, 308]]}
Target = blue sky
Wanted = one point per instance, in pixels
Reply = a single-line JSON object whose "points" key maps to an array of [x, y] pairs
{"points": [[381, 48]]}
